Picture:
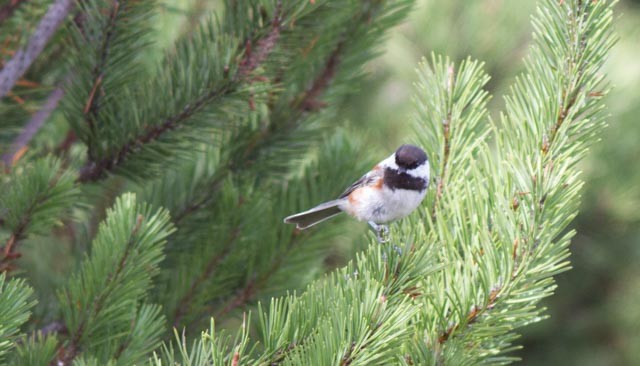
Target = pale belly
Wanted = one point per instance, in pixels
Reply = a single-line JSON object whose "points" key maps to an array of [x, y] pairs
{"points": [[382, 205]]}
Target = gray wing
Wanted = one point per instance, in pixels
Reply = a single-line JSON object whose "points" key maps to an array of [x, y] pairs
{"points": [[329, 209], [365, 180]]}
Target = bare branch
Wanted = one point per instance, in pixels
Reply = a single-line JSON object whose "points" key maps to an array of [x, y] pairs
{"points": [[33, 126], [18, 65]]}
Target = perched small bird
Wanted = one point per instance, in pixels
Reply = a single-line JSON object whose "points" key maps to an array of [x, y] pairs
{"points": [[390, 191]]}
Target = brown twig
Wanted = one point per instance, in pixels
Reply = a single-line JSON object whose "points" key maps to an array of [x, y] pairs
{"points": [[349, 356], [20, 62], [446, 133], [254, 57], [33, 126], [472, 316]]}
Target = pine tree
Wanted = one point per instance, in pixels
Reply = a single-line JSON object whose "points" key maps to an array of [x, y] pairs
{"points": [[170, 169]]}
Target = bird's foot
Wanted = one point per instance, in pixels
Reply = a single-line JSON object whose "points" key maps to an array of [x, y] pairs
{"points": [[382, 232]]}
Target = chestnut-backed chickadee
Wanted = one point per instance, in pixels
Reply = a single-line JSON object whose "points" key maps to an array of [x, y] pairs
{"points": [[390, 191]]}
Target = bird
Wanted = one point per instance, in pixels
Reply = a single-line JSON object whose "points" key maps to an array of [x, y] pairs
{"points": [[393, 189]]}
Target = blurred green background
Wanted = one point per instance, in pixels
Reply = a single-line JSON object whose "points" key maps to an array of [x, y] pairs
{"points": [[595, 313]]}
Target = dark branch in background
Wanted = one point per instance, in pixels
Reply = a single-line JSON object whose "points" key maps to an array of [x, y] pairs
{"points": [[9, 8], [248, 292], [184, 304], [21, 61], [310, 99], [253, 58], [93, 171], [32, 127], [93, 102], [65, 145], [307, 102]]}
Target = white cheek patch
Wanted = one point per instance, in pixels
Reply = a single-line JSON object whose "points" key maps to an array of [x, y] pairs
{"points": [[421, 171]]}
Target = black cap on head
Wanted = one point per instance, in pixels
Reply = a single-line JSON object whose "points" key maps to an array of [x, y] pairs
{"points": [[410, 157]]}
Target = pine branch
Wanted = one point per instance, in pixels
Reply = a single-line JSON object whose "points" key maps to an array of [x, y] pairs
{"points": [[446, 135], [37, 349], [252, 59], [93, 171], [91, 108], [361, 344], [551, 117], [474, 314], [21, 61], [68, 353], [34, 196], [307, 102], [105, 295], [227, 274], [15, 309], [137, 344], [9, 249], [350, 356]]}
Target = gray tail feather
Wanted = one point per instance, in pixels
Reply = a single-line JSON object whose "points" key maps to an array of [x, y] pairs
{"points": [[315, 215]]}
